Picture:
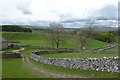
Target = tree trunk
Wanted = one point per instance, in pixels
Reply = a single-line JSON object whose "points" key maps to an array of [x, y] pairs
{"points": [[57, 45], [81, 47]]}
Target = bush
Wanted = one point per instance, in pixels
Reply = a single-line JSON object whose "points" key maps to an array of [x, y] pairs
{"points": [[105, 37]]}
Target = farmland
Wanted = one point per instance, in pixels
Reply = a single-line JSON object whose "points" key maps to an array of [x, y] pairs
{"points": [[20, 68], [15, 68], [40, 39], [57, 39]]}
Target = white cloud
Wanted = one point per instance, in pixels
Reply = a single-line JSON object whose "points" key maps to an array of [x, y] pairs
{"points": [[26, 11], [107, 12], [24, 7]]}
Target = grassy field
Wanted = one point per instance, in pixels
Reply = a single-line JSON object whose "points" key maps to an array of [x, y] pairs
{"points": [[93, 44], [40, 38], [14, 68], [77, 55], [26, 38], [18, 68]]}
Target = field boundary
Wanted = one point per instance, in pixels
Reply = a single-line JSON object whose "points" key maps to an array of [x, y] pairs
{"points": [[11, 55], [99, 64]]}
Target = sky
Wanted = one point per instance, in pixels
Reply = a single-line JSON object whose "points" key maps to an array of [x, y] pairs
{"points": [[68, 12]]}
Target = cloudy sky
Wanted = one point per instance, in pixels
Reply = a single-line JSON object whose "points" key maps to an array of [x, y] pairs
{"points": [[68, 12]]}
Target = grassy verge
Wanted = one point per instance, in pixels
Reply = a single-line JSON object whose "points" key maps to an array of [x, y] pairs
{"points": [[0, 68], [77, 55], [78, 72]]}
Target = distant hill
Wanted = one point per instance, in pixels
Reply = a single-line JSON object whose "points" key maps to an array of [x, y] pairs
{"points": [[96, 28], [69, 29], [105, 28]]}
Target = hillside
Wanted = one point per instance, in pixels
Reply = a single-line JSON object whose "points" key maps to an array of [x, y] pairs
{"points": [[40, 38]]}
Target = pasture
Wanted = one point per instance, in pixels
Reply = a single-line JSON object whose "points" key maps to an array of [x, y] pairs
{"points": [[16, 68], [40, 38], [25, 67], [77, 55]]}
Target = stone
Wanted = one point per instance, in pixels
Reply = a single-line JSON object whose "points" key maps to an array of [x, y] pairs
{"points": [[103, 64]]}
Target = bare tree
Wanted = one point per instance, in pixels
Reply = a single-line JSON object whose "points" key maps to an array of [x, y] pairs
{"points": [[84, 34], [89, 28], [56, 34], [81, 39]]}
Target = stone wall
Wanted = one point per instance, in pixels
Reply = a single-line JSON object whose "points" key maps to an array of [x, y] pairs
{"points": [[11, 55], [35, 47], [107, 47], [102, 64], [72, 50], [100, 52], [62, 50]]}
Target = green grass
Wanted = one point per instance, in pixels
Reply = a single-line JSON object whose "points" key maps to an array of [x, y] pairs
{"points": [[78, 72], [0, 68], [77, 55], [26, 38], [93, 44], [13, 68], [40, 38]]}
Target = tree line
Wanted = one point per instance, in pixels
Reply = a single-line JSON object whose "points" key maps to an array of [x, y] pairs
{"points": [[15, 28]]}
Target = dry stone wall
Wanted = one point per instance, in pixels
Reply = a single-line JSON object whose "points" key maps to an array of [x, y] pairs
{"points": [[81, 51], [102, 64], [10, 55]]}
